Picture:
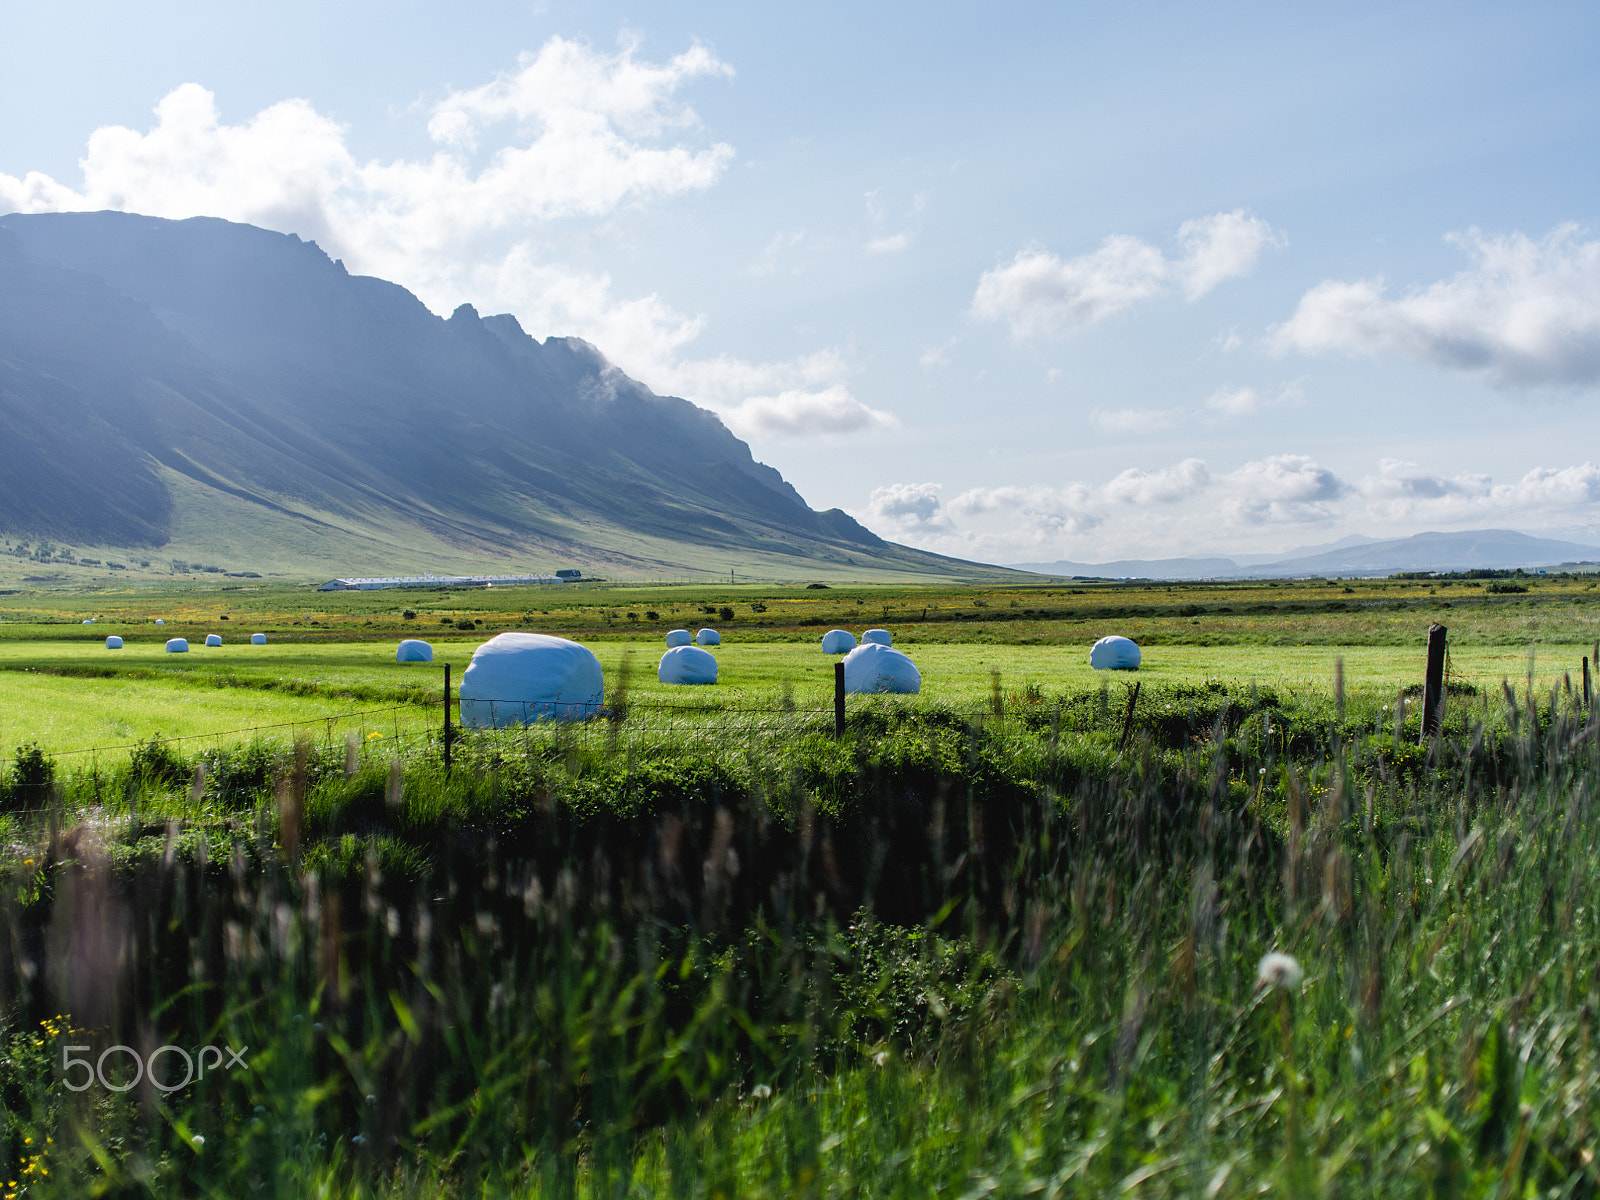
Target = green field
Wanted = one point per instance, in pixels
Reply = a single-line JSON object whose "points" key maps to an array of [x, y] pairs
{"points": [[228, 692]]}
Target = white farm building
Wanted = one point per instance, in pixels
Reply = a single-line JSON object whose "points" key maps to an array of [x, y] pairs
{"points": [[379, 582]]}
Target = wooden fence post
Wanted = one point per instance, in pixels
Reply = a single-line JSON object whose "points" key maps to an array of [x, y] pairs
{"points": [[447, 716], [1127, 721], [838, 699], [1586, 700], [1433, 682]]}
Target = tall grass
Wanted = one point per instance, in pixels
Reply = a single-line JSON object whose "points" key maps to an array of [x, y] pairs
{"points": [[1009, 950]]}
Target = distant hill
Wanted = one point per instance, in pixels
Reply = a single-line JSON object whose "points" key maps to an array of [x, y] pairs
{"points": [[207, 388], [1499, 549]]}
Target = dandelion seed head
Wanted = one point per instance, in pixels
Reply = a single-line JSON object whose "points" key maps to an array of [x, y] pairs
{"points": [[1279, 971]]}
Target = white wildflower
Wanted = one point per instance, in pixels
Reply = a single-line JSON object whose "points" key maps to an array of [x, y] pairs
{"points": [[1279, 971], [761, 1091]]}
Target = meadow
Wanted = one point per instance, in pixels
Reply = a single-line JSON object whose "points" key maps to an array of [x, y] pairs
{"points": [[1004, 938]]}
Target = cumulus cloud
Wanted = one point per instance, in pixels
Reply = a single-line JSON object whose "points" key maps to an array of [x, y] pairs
{"points": [[1282, 488], [907, 507], [571, 133], [1039, 294], [832, 410], [1526, 313], [585, 140], [1167, 486], [1271, 503], [1402, 491]]}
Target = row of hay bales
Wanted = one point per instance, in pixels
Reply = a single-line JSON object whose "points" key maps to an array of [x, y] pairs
{"points": [[181, 645], [516, 678]]}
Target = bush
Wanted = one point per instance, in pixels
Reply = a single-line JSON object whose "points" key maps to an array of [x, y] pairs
{"points": [[466, 623], [725, 613], [158, 762], [652, 615], [31, 775], [409, 614]]}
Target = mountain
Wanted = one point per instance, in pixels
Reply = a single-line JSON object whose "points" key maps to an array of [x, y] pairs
{"points": [[204, 388], [1500, 549]]}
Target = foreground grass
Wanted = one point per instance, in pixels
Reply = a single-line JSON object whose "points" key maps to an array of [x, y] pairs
{"points": [[956, 954]]}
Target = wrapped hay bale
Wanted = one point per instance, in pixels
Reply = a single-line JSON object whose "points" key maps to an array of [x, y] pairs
{"points": [[113, 642], [258, 639], [708, 637], [213, 639], [687, 664], [838, 641], [516, 678], [178, 646], [679, 637], [409, 651], [880, 637], [1114, 654], [873, 668]]}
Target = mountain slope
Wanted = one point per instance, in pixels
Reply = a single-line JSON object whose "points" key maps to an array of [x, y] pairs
{"points": [[154, 370]]}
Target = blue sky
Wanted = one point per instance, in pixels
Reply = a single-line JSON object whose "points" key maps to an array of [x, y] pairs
{"points": [[1017, 283]]}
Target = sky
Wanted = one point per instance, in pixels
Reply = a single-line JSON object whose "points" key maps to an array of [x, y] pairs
{"points": [[1014, 282]]}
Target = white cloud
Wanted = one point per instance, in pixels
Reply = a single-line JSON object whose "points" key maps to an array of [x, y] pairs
{"points": [[1167, 486], [1525, 314], [1041, 295], [572, 133], [1132, 420], [584, 143], [1220, 247], [1234, 402], [766, 263], [907, 507], [1402, 491], [1271, 504], [798, 413], [1281, 488]]}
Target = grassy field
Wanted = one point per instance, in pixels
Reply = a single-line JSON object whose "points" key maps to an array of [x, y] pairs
{"points": [[968, 949], [74, 696]]}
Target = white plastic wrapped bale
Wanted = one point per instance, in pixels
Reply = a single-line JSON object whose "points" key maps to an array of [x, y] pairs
{"points": [[258, 639], [516, 678], [708, 637], [1114, 654], [178, 646], [879, 637], [159, 621], [213, 639], [679, 637], [113, 642], [410, 650], [838, 641], [687, 664], [89, 622], [872, 668]]}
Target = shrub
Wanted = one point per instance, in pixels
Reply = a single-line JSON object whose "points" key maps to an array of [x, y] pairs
{"points": [[466, 623], [31, 774], [725, 613], [409, 614], [652, 615], [157, 761]]}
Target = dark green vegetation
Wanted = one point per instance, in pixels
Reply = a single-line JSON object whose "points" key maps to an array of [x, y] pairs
{"points": [[1008, 950], [173, 391]]}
